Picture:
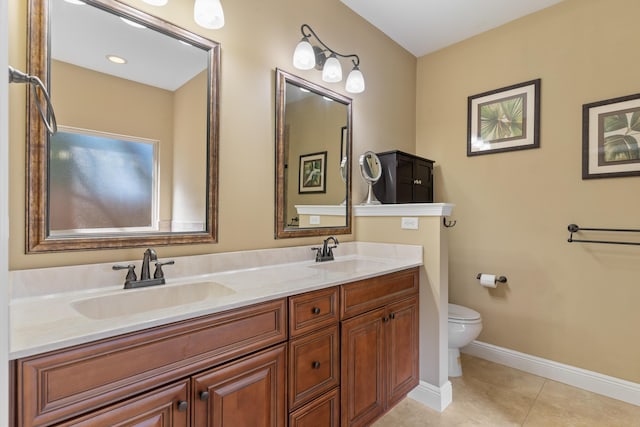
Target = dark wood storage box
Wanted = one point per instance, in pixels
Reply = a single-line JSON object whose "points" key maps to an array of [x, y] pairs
{"points": [[405, 178]]}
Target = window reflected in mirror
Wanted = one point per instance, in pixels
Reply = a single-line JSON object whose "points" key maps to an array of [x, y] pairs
{"points": [[102, 183]]}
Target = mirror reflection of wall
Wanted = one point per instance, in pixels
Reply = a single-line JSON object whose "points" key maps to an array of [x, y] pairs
{"points": [[95, 94], [313, 125], [313, 146]]}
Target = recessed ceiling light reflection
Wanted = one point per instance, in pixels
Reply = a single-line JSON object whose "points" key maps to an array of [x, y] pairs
{"points": [[116, 59], [133, 24], [76, 2]]}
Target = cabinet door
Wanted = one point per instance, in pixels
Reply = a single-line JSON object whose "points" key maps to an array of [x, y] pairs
{"points": [[422, 181], [405, 179], [402, 346], [362, 385], [249, 392], [165, 407]]}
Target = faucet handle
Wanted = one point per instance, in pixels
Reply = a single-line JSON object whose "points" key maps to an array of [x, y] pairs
{"points": [[131, 274], [159, 274], [318, 253]]}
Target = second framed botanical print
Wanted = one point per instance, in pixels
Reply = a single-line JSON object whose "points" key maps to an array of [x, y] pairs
{"points": [[504, 119], [611, 138]]}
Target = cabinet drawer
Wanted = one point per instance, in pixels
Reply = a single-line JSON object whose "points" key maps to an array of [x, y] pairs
{"points": [[359, 297], [312, 310], [322, 412], [157, 408], [314, 365], [59, 385]]}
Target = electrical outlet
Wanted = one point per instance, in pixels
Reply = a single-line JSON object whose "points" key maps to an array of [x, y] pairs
{"points": [[409, 223], [314, 219]]}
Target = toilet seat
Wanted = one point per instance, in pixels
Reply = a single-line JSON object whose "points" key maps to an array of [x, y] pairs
{"points": [[460, 314]]}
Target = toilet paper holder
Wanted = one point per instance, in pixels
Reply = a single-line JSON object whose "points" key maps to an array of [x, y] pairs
{"points": [[499, 279]]}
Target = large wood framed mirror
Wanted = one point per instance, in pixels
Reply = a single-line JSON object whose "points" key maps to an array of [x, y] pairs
{"points": [[313, 159], [135, 161]]}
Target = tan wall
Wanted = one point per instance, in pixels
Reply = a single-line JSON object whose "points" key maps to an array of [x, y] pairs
{"points": [[90, 100], [257, 38], [190, 154], [573, 303], [313, 133]]}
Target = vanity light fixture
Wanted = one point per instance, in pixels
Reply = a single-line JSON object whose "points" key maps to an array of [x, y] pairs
{"points": [[206, 13], [307, 56]]}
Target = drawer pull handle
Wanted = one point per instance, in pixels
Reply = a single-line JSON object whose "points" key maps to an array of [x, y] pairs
{"points": [[315, 310], [315, 365], [183, 405], [204, 395], [392, 316]]}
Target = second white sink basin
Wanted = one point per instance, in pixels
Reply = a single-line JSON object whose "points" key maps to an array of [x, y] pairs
{"points": [[348, 266], [134, 301]]}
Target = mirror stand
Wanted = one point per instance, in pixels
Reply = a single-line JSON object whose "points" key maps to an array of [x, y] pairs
{"points": [[371, 170]]}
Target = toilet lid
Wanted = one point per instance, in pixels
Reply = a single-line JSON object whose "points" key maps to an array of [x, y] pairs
{"points": [[458, 312]]}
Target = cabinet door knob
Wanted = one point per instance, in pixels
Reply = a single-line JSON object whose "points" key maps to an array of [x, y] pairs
{"points": [[392, 316], [385, 319], [315, 310], [183, 405], [315, 365], [204, 395]]}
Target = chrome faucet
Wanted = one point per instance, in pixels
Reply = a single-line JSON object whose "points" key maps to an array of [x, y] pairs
{"points": [[149, 255], [131, 281], [326, 252]]}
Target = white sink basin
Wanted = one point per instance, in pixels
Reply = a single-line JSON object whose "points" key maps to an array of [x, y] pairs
{"points": [[134, 301], [349, 266]]}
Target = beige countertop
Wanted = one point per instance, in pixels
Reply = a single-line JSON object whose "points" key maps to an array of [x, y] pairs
{"points": [[45, 322]]}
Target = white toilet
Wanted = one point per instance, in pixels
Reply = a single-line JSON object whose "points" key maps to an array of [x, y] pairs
{"points": [[464, 326]]}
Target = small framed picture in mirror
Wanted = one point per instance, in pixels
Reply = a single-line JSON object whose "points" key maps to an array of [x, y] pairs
{"points": [[313, 173]]}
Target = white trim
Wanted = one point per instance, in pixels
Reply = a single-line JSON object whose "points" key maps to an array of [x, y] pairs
{"points": [[408, 209], [605, 385], [437, 398], [322, 209], [4, 210]]}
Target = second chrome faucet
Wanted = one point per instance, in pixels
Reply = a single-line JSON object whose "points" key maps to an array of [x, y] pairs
{"points": [[325, 253], [132, 281]]}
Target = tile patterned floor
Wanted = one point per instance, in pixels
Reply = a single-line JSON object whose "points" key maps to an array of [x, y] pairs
{"points": [[489, 394]]}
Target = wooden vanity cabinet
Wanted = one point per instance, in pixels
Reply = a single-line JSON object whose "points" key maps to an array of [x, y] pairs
{"points": [[379, 345], [165, 407], [314, 358], [246, 393], [73, 382]]}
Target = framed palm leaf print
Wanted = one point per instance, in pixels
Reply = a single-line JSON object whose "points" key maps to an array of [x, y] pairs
{"points": [[611, 138], [504, 119]]}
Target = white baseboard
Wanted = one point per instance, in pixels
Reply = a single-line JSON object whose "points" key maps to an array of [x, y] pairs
{"points": [[615, 388], [437, 398]]}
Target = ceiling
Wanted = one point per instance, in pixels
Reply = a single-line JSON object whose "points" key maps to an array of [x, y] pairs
{"points": [[83, 35], [424, 26]]}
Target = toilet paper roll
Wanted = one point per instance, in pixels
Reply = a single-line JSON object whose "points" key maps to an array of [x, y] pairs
{"points": [[488, 280]]}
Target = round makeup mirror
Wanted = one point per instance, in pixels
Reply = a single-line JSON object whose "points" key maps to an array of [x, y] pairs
{"points": [[371, 170]]}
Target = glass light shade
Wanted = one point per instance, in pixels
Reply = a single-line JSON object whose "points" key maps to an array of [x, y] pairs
{"points": [[208, 14], [303, 57], [156, 2], [332, 70], [355, 81]]}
